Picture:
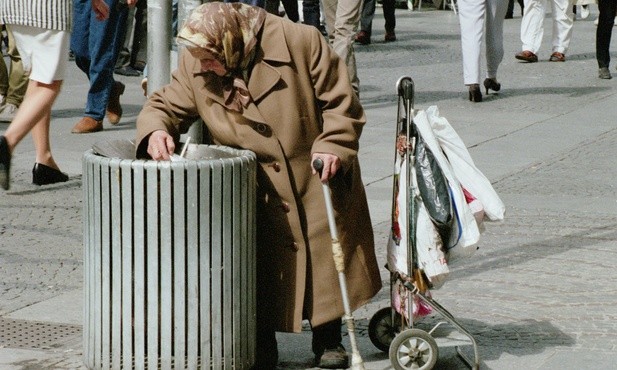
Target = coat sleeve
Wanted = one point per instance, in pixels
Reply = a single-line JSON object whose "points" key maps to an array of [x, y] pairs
{"points": [[172, 108], [341, 112]]}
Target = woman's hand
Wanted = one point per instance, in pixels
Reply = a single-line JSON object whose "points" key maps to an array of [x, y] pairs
{"points": [[161, 145], [331, 165]]}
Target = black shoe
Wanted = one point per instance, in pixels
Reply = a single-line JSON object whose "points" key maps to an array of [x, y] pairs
{"points": [[45, 175], [333, 358], [5, 163], [475, 95], [127, 71], [491, 84]]}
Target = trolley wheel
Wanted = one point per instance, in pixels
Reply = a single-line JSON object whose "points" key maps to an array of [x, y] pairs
{"points": [[413, 349], [381, 329]]}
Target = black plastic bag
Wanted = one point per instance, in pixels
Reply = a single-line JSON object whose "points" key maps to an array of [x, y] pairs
{"points": [[433, 188]]}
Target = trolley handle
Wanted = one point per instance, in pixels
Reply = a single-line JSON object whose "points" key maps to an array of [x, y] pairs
{"points": [[405, 87]]}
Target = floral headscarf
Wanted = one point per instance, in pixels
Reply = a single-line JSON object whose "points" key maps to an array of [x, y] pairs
{"points": [[228, 32]]}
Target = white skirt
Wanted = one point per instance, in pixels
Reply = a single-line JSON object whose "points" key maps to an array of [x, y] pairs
{"points": [[44, 53]]}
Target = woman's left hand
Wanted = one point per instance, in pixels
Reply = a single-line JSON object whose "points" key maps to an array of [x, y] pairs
{"points": [[331, 165]]}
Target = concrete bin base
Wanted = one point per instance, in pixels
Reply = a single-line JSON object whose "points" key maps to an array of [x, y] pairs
{"points": [[169, 251]]}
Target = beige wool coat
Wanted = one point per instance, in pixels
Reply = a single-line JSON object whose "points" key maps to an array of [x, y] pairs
{"points": [[302, 103]]}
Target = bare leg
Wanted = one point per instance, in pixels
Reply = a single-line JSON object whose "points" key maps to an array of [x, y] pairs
{"points": [[35, 114]]}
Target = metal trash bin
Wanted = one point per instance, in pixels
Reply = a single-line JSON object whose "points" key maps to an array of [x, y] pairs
{"points": [[169, 251]]}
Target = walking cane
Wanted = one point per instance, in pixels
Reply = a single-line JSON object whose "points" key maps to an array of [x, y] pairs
{"points": [[339, 262]]}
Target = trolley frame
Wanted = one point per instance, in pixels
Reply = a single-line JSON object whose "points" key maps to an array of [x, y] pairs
{"points": [[405, 89]]}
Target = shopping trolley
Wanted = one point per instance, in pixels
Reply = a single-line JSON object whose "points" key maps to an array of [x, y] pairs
{"points": [[392, 329]]}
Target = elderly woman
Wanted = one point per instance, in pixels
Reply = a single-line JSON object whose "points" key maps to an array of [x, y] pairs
{"points": [[262, 83]]}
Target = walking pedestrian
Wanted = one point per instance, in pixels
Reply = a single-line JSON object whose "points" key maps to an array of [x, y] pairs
{"points": [[532, 29], [42, 32], [606, 20], [133, 54], [96, 45], [13, 81], [342, 18], [479, 18], [262, 83], [510, 11], [363, 37]]}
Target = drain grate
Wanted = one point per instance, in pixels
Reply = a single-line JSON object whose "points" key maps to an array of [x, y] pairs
{"points": [[34, 334]]}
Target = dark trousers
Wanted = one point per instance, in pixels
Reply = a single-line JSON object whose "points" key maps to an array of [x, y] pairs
{"points": [[606, 19], [311, 12], [510, 10], [326, 336], [368, 12]]}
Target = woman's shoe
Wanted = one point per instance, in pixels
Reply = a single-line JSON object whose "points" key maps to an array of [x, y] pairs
{"points": [[491, 83], [45, 175], [5, 163], [475, 95]]}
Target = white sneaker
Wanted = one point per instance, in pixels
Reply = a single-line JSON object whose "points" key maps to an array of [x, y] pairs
{"points": [[8, 112], [584, 11]]}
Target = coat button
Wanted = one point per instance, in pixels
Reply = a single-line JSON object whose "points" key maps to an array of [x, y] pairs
{"points": [[294, 246], [285, 207], [261, 128], [276, 167]]}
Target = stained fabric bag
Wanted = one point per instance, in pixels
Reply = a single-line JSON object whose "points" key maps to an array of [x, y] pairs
{"points": [[429, 248], [397, 242]]}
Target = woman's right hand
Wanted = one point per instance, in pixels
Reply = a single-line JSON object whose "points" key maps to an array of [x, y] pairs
{"points": [[161, 145]]}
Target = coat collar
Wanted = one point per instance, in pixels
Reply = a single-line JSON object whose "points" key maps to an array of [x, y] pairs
{"points": [[264, 75]]}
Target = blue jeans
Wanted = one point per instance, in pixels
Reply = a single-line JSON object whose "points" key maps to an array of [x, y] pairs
{"points": [[259, 3], [96, 45]]}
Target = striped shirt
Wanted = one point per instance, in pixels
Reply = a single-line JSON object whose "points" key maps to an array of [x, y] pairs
{"points": [[48, 14]]}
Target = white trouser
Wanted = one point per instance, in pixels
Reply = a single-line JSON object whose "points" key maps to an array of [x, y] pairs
{"points": [[342, 18], [476, 18], [532, 28]]}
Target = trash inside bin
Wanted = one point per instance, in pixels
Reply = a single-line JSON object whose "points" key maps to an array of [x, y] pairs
{"points": [[169, 266]]}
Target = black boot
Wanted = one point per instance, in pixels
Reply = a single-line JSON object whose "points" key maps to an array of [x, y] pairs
{"points": [[5, 164]]}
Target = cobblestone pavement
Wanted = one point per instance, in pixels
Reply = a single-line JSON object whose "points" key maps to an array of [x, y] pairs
{"points": [[538, 294]]}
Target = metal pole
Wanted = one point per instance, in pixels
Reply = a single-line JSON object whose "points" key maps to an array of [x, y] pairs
{"points": [[185, 7], [159, 44]]}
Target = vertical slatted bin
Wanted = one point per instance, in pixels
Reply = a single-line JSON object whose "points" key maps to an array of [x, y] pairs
{"points": [[169, 261]]}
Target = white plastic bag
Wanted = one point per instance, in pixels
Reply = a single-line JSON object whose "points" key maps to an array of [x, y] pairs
{"points": [[463, 166], [465, 232]]}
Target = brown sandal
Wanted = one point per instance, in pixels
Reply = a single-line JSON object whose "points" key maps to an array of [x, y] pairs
{"points": [[557, 57]]}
